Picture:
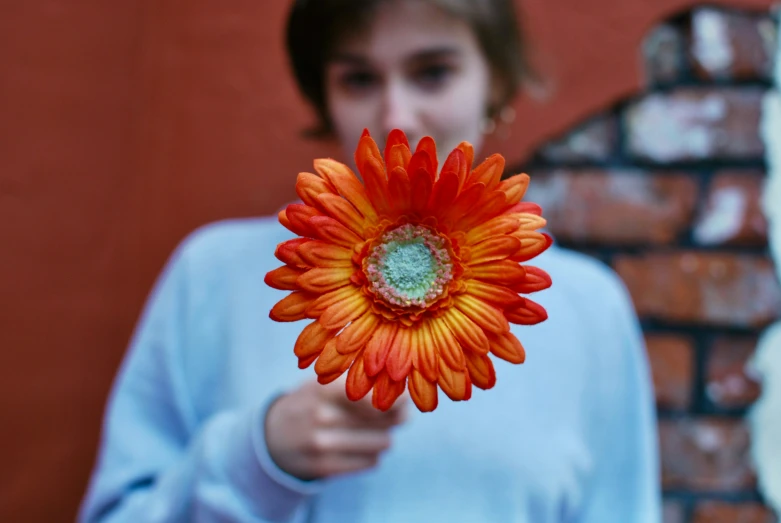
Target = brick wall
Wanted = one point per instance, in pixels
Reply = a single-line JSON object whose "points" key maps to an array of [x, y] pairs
{"points": [[665, 187]]}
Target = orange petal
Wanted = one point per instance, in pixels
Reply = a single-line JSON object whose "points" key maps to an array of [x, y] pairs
{"points": [[309, 186], [530, 313], [421, 187], [395, 137], [481, 370], [423, 392], [456, 384], [507, 347], [532, 244], [378, 346], [498, 226], [342, 211], [347, 185], [503, 272], [287, 252], [494, 249], [456, 163], [421, 160], [530, 222], [331, 361], [399, 360], [367, 150], [489, 206], [376, 185], [427, 145], [357, 334], [306, 362], [358, 382], [525, 207], [489, 172], [340, 314], [469, 156], [386, 391], [424, 352], [447, 346], [315, 253], [312, 340], [298, 216], [482, 314], [536, 280], [498, 295], [293, 307], [331, 231], [444, 193], [399, 190], [284, 278], [322, 303], [465, 202], [397, 156], [468, 334], [515, 187], [320, 281]]}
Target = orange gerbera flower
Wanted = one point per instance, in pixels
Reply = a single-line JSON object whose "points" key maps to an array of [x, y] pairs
{"points": [[412, 278]]}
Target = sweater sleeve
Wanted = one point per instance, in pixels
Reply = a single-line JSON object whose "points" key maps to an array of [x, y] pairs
{"points": [[158, 462], [625, 486]]}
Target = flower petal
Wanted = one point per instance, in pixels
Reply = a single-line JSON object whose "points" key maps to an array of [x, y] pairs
{"points": [[447, 346], [455, 383], [292, 307], [400, 190], [306, 362], [422, 392], [331, 231], [507, 347], [421, 187], [357, 334], [489, 172], [331, 361], [376, 184], [312, 340], [298, 216], [481, 370], [515, 187], [398, 155], [341, 210], [469, 335], [530, 222], [325, 301], [340, 314], [395, 137], [399, 360], [309, 186], [386, 391], [498, 295], [378, 346], [287, 252], [347, 185], [536, 280], [498, 226], [465, 202], [532, 244], [482, 314], [316, 253], [367, 150], [424, 351], [456, 163], [496, 248], [323, 280], [427, 145], [443, 193], [489, 206], [530, 313], [358, 382], [283, 278], [505, 272]]}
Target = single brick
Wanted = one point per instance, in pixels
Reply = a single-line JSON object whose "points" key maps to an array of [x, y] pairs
{"points": [[721, 512], [673, 512], [718, 123], [705, 455], [727, 383], [626, 207], [664, 51], [595, 140], [732, 45], [672, 366], [737, 290], [733, 213]]}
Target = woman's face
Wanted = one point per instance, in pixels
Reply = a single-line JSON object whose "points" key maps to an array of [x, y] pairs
{"points": [[415, 68]]}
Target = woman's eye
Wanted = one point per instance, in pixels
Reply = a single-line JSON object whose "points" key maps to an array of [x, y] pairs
{"points": [[433, 76], [358, 81]]}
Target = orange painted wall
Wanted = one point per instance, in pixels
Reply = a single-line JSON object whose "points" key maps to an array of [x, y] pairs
{"points": [[123, 126]]}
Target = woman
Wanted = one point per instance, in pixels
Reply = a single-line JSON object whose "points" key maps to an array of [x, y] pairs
{"points": [[210, 420]]}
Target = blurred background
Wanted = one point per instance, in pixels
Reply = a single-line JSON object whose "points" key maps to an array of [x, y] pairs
{"points": [[126, 125]]}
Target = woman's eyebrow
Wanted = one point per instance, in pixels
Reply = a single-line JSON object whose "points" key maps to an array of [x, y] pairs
{"points": [[433, 54], [348, 58]]}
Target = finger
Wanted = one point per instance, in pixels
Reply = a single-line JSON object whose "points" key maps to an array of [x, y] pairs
{"points": [[351, 441]]}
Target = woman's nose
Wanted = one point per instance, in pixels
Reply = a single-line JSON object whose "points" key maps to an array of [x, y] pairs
{"points": [[399, 110]]}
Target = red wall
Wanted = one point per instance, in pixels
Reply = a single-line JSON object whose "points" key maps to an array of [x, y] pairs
{"points": [[123, 126]]}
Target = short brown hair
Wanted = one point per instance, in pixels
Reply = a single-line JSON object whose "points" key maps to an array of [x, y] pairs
{"points": [[316, 26]]}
